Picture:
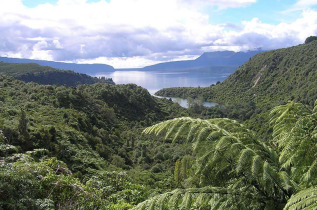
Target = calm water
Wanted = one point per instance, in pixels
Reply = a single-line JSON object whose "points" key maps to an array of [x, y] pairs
{"points": [[156, 80], [183, 102]]}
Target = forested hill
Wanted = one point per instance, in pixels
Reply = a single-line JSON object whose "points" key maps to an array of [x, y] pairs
{"points": [[31, 72], [266, 80], [276, 77]]}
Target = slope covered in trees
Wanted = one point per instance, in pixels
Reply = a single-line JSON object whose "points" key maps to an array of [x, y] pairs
{"points": [[68, 136], [266, 80], [46, 75]]}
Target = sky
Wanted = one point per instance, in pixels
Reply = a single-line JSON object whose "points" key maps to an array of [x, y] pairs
{"points": [[137, 33]]}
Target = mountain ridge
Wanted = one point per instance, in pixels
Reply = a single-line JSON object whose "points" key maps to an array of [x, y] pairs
{"points": [[218, 58]]}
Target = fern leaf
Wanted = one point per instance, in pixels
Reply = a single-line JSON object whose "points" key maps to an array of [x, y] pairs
{"points": [[311, 173], [257, 168], [244, 159], [305, 199], [187, 201], [175, 199]]}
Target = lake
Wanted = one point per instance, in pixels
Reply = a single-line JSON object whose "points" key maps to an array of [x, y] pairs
{"points": [[156, 80]]}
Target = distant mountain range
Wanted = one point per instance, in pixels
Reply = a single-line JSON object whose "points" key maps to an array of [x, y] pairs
{"points": [[208, 59], [229, 59], [79, 68]]}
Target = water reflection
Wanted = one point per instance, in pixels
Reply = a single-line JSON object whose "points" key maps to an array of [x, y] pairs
{"points": [[156, 80], [183, 102]]}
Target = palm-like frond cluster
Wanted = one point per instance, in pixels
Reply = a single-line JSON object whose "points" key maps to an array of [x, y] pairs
{"points": [[235, 170]]}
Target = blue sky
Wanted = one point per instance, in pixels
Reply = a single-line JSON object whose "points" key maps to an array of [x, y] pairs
{"points": [[135, 33], [34, 3], [268, 11]]}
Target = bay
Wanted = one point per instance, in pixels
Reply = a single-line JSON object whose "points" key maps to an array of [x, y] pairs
{"points": [[156, 80]]}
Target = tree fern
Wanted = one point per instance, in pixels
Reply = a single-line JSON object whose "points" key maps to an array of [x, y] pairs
{"points": [[236, 170], [294, 127]]}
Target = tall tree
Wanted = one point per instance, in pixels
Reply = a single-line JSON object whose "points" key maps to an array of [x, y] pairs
{"points": [[23, 125]]}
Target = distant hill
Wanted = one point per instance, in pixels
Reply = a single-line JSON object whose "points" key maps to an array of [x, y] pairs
{"points": [[90, 69], [31, 72], [231, 60], [207, 59]]}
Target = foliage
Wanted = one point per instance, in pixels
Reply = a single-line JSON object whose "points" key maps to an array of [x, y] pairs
{"points": [[236, 170], [91, 131], [310, 39], [49, 184], [81, 126]]}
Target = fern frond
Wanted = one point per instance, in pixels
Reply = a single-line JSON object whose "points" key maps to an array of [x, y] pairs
{"points": [[181, 131], [187, 201], [192, 198], [305, 199], [257, 168], [285, 181], [244, 160], [175, 199], [311, 174], [174, 126]]}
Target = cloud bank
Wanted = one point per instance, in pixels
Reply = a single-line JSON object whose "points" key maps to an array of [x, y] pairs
{"points": [[135, 33]]}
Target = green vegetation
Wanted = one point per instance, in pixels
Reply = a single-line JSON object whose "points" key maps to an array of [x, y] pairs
{"points": [[93, 132], [268, 79], [86, 146], [47, 75], [310, 39], [236, 170]]}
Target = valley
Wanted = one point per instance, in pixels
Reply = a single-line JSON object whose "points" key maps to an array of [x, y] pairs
{"points": [[70, 141]]}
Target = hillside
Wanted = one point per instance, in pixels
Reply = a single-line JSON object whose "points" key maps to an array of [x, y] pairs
{"points": [[64, 136], [276, 77], [80, 68], [266, 80], [46, 75]]}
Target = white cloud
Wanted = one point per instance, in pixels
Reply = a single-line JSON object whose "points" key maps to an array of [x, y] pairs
{"points": [[301, 5], [121, 62], [257, 34], [134, 33], [221, 4], [305, 3]]}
